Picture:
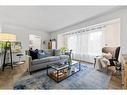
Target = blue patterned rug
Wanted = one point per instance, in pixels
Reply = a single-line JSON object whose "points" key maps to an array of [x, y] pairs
{"points": [[87, 78]]}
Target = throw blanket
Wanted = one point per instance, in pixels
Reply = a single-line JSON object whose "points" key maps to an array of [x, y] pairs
{"points": [[102, 61]]}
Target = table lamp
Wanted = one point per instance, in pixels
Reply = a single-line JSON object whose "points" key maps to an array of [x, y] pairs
{"points": [[7, 39]]}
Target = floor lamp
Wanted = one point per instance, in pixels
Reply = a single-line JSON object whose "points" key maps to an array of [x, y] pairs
{"points": [[7, 39]]}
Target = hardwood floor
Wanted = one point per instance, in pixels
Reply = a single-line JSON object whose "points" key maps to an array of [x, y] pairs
{"points": [[116, 79], [9, 76], [115, 83]]}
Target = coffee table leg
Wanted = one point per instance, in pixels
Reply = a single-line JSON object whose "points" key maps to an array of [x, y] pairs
{"points": [[57, 75]]}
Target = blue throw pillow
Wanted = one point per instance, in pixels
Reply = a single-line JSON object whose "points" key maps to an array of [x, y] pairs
{"points": [[41, 55]]}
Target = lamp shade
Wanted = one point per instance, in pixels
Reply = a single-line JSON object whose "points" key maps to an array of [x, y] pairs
{"points": [[7, 37]]}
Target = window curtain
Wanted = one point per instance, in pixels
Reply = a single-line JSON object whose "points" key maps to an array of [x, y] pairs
{"points": [[85, 45], [88, 42]]}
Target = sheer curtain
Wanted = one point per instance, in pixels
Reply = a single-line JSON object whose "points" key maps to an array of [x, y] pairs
{"points": [[86, 44]]}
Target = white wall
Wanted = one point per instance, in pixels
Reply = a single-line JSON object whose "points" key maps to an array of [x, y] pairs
{"points": [[122, 14], [112, 35], [0, 29], [44, 37]]}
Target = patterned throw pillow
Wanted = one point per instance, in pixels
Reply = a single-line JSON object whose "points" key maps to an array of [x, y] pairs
{"points": [[41, 55], [57, 53]]}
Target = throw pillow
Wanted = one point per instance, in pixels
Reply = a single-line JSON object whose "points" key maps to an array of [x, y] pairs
{"points": [[33, 54], [107, 55], [41, 55], [57, 53]]}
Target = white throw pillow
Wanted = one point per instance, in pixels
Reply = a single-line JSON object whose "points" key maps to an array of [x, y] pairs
{"points": [[107, 55]]}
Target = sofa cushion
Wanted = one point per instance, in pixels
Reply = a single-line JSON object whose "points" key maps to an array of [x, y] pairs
{"points": [[46, 59], [40, 61], [48, 52], [54, 58], [35, 62], [64, 56]]}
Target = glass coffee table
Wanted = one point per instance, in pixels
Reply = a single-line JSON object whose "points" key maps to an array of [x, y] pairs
{"points": [[61, 71]]}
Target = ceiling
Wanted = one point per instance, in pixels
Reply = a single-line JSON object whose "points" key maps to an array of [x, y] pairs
{"points": [[50, 18]]}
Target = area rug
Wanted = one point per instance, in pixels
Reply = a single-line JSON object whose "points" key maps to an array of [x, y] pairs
{"points": [[87, 78]]}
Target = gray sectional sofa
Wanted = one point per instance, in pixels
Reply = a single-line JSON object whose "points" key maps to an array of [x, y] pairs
{"points": [[41, 63]]}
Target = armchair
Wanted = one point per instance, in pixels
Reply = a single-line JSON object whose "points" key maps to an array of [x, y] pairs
{"points": [[112, 61], [115, 54]]}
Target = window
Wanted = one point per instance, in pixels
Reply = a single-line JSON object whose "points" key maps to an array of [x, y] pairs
{"points": [[95, 43], [88, 42], [71, 43], [85, 45], [34, 41]]}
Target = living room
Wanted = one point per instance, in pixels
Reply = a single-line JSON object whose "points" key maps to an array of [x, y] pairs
{"points": [[42, 36]]}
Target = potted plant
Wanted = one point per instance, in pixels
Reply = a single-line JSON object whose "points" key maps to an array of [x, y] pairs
{"points": [[3, 45], [63, 50]]}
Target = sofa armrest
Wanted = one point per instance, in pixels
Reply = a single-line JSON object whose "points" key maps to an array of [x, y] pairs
{"points": [[28, 62]]}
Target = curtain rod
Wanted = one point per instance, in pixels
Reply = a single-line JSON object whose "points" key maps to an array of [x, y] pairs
{"points": [[85, 29]]}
